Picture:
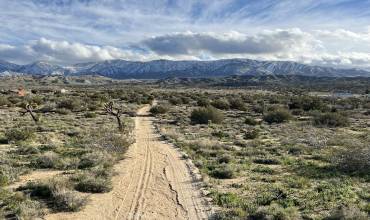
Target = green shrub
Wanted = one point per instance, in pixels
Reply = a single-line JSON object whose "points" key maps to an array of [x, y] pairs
{"points": [[90, 115], [250, 121], [223, 172], [175, 101], [159, 109], [93, 184], [277, 212], [331, 120], [237, 104], [63, 111], [271, 161], [227, 200], [19, 206], [70, 104], [37, 100], [4, 101], [19, 134], [49, 159], [4, 180], [251, 134], [263, 169], [206, 115], [203, 102], [270, 194], [57, 193], [66, 200], [353, 159], [95, 158], [307, 103], [221, 104], [226, 158], [277, 116]]}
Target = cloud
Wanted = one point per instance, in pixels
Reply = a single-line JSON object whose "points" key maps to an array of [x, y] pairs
{"points": [[267, 42], [64, 52], [317, 48]]}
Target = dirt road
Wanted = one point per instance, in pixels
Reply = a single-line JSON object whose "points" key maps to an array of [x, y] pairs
{"points": [[153, 182]]}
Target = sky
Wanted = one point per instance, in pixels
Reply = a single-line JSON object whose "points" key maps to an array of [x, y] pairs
{"points": [[318, 32]]}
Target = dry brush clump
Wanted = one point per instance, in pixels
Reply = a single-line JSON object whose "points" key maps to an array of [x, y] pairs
{"points": [[277, 116], [57, 193], [206, 115], [19, 134], [353, 159], [159, 109], [331, 119]]}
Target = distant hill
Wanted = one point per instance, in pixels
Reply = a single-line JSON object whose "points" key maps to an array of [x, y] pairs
{"points": [[160, 69], [284, 82]]}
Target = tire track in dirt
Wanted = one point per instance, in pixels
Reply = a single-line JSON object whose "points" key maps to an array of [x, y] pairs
{"points": [[152, 182]]}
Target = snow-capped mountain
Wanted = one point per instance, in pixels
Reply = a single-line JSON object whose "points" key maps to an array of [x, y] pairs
{"points": [[41, 68], [157, 69], [7, 67]]}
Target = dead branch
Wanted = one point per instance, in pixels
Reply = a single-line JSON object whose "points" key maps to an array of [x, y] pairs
{"points": [[110, 110], [29, 109]]}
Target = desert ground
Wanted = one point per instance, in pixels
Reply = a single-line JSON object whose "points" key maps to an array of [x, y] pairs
{"points": [[107, 149]]}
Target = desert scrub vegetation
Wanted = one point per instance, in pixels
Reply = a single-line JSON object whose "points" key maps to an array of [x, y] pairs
{"points": [[75, 144], [19, 134], [277, 116], [206, 115], [331, 119], [57, 192], [257, 166], [159, 109]]}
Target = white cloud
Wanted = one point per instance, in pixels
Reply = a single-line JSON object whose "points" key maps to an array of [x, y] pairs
{"points": [[64, 52], [266, 42], [339, 48]]}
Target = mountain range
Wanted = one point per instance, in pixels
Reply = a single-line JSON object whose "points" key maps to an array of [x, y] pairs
{"points": [[160, 69]]}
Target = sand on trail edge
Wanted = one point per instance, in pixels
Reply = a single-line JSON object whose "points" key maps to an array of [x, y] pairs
{"points": [[152, 182]]}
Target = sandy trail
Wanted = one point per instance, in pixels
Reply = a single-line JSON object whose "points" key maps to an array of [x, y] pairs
{"points": [[153, 182]]}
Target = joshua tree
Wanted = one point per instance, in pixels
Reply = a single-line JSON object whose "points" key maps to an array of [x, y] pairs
{"points": [[29, 109], [109, 109]]}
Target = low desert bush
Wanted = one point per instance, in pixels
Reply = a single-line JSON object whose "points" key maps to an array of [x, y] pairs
{"points": [[203, 102], [70, 104], [19, 134], [226, 158], [63, 111], [223, 172], [105, 139], [48, 159], [250, 121], [206, 115], [270, 161], [90, 115], [19, 206], [347, 212], [277, 116], [251, 134], [353, 159], [238, 104], [93, 184], [276, 211], [221, 104], [159, 109], [307, 103], [57, 193], [263, 169], [330, 119], [4, 101], [96, 158]]}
